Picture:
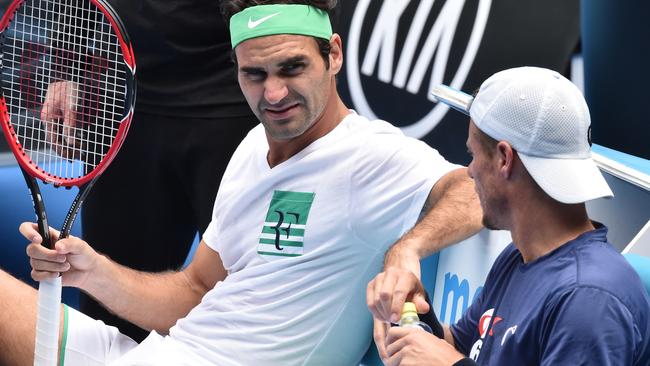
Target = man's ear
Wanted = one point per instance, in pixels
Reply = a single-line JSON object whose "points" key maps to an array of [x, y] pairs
{"points": [[506, 156], [336, 54]]}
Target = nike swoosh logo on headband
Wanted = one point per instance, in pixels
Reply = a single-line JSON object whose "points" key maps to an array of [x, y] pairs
{"points": [[254, 23]]}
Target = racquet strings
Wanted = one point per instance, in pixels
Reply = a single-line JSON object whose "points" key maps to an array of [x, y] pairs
{"points": [[68, 41]]}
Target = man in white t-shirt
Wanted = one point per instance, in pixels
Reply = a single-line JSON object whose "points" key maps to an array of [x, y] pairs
{"points": [[310, 202]]}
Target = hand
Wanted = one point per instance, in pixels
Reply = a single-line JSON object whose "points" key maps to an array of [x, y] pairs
{"points": [[387, 292], [379, 334], [71, 257], [412, 346], [59, 114], [404, 254]]}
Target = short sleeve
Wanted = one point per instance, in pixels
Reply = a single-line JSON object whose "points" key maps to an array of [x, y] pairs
{"points": [[466, 328], [392, 180], [588, 326]]}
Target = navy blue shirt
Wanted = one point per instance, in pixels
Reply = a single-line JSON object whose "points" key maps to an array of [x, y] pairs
{"points": [[581, 304]]}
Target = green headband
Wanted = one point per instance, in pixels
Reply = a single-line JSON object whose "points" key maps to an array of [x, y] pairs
{"points": [[266, 20]]}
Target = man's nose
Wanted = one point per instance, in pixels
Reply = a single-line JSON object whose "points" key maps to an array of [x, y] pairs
{"points": [[275, 89]]}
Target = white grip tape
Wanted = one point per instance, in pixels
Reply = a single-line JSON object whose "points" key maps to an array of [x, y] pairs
{"points": [[47, 323]]}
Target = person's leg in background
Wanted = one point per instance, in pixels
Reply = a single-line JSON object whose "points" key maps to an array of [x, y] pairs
{"points": [[134, 213], [214, 143], [145, 210]]}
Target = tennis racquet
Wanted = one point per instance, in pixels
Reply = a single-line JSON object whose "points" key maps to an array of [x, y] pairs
{"points": [[67, 98]]}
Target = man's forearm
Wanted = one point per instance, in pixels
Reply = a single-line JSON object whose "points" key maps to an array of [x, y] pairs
{"points": [[454, 214], [149, 300]]}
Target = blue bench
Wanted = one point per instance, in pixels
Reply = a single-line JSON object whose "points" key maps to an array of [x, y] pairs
{"points": [[17, 207]]}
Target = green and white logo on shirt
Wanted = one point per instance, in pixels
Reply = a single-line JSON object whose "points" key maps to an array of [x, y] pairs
{"points": [[284, 228]]}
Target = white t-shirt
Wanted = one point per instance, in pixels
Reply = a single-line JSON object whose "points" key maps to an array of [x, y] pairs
{"points": [[300, 243]]}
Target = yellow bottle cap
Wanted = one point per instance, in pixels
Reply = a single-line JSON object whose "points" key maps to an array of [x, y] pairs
{"points": [[409, 309]]}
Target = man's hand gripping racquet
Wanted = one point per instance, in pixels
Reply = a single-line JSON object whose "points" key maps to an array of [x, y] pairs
{"points": [[67, 98]]}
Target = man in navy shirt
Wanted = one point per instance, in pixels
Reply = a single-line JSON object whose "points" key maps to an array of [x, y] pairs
{"points": [[560, 294]]}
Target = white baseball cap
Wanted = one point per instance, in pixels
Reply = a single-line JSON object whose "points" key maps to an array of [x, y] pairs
{"points": [[546, 120]]}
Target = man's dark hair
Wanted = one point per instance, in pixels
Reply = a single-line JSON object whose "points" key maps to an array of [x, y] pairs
{"points": [[231, 7], [487, 143]]}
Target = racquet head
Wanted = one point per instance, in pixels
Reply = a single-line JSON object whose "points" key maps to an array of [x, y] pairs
{"points": [[67, 87]]}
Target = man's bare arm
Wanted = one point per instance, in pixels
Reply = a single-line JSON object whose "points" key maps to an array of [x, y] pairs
{"points": [[452, 213], [155, 300], [150, 300]]}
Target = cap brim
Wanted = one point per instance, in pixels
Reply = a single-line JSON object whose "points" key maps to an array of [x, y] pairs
{"points": [[454, 98], [567, 180]]}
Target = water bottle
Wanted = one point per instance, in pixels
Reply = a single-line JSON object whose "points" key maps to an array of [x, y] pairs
{"points": [[410, 318]]}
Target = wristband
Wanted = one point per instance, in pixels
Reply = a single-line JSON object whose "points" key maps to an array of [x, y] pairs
{"points": [[465, 362], [431, 320]]}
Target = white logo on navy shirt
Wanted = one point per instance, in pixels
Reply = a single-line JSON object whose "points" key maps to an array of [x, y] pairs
{"points": [[509, 331]]}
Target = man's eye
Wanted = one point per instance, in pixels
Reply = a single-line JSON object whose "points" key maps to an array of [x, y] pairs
{"points": [[293, 68], [255, 75]]}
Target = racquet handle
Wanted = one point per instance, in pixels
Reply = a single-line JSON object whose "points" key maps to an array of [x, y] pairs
{"points": [[47, 322]]}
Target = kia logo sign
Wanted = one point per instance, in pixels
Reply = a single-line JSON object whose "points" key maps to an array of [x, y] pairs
{"points": [[406, 65]]}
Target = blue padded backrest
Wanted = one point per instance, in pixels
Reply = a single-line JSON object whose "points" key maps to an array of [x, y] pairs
{"points": [[642, 266]]}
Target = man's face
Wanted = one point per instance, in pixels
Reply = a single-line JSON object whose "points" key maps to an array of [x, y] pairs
{"points": [[285, 82], [484, 170]]}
